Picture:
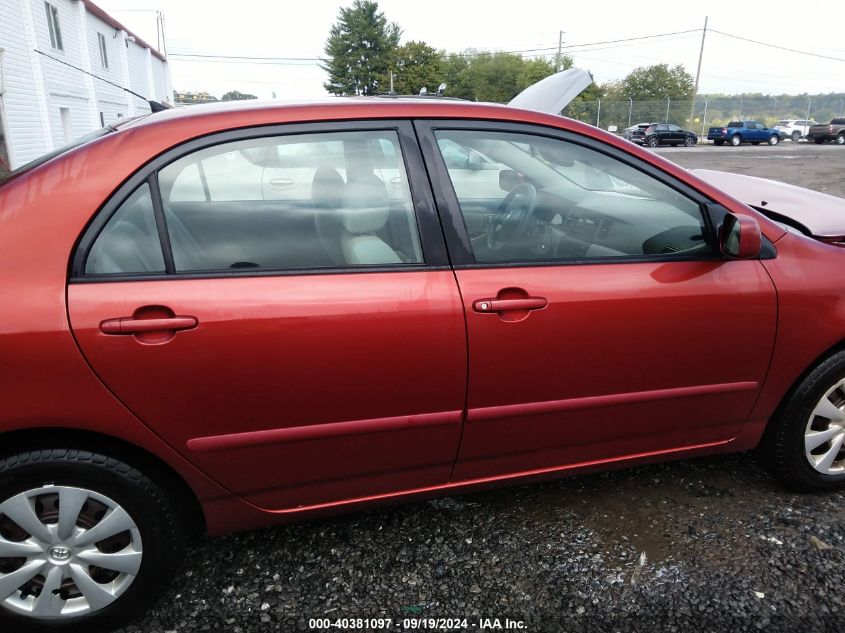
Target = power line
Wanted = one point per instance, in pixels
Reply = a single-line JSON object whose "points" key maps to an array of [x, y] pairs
{"points": [[245, 57], [783, 48], [568, 47], [82, 70]]}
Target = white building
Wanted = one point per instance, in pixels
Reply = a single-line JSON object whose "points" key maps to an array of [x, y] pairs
{"points": [[63, 64]]}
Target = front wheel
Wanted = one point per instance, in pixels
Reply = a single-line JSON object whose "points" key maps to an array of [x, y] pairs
{"points": [[652, 141], [87, 542], [736, 140], [689, 141], [840, 140], [804, 442], [796, 136], [774, 140]]}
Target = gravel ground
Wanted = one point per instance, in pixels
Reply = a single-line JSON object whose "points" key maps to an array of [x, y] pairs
{"points": [[708, 544], [818, 167], [703, 545]]}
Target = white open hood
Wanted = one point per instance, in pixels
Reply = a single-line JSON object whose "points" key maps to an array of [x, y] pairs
{"points": [[553, 93]]}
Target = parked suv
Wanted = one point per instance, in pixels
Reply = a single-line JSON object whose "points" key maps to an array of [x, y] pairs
{"points": [[834, 131], [663, 134], [794, 129], [635, 130]]}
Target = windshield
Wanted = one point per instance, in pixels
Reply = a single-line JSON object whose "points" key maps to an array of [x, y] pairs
{"points": [[82, 140]]}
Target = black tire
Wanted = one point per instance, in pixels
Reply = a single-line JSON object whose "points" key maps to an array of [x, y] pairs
{"points": [[840, 140], [689, 141], [783, 442], [818, 141], [717, 143], [736, 140], [161, 526], [652, 141], [774, 139], [796, 136]]}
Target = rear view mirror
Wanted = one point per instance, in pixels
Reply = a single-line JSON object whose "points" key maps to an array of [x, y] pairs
{"points": [[739, 237], [508, 179]]}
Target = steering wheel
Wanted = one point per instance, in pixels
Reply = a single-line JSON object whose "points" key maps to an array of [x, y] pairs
{"points": [[513, 216]]}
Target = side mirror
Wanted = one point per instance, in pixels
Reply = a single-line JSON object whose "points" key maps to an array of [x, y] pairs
{"points": [[739, 237]]}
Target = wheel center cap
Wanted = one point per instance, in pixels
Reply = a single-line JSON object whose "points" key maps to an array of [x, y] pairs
{"points": [[60, 553]]}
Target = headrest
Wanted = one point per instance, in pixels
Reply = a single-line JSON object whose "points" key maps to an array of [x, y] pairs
{"points": [[367, 206], [327, 188]]}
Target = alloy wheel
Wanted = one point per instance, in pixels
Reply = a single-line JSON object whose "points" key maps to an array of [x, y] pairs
{"points": [[825, 432], [65, 551]]}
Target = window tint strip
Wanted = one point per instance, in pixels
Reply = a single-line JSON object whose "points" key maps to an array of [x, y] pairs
{"points": [[161, 224]]}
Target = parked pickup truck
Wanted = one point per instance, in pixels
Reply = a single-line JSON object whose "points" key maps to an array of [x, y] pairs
{"points": [[834, 131], [737, 132]]}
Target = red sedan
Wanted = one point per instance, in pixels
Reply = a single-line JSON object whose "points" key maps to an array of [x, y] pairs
{"points": [[225, 317]]}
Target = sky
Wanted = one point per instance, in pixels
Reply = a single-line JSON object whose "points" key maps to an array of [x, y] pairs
{"points": [[282, 28]]}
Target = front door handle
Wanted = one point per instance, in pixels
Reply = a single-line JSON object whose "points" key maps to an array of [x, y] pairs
{"points": [[130, 325], [503, 305]]}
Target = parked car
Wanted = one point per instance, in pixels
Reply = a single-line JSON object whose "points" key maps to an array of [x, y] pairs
{"points": [[835, 131], [664, 134], [629, 132], [794, 129], [738, 132], [240, 314]]}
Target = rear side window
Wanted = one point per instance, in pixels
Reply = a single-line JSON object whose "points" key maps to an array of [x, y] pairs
{"points": [[292, 202], [129, 242], [838, 122], [735, 124]]}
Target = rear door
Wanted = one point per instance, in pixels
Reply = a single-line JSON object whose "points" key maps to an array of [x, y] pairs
{"points": [[602, 323], [301, 345]]}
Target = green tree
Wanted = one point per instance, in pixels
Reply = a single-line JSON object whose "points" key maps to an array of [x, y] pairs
{"points": [[415, 65], [360, 47], [496, 77], [652, 83], [234, 95]]}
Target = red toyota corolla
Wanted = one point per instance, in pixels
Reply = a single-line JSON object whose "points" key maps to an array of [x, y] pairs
{"points": [[225, 317]]}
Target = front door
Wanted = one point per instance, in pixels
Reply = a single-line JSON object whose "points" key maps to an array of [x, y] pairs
{"points": [[301, 344], [601, 323]]}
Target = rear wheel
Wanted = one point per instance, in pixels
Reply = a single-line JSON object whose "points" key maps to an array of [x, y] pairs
{"points": [[840, 140], [736, 140], [805, 444], [796, 136], [774, 139], [652, 141], [718, 142], [87, 542]]}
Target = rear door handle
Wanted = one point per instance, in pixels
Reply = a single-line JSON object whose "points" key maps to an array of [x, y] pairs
{"points": [[129, 325], [502, 305]]}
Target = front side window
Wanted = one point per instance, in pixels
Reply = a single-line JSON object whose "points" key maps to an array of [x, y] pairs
{"points": [[53, 26], [305, 201], [549, 199]]}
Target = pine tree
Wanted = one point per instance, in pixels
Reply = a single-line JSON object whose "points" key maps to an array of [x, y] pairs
{"points": [[359, 50]]}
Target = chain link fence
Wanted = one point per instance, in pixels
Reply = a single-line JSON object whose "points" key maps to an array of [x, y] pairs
{"points": [[705, 112]]}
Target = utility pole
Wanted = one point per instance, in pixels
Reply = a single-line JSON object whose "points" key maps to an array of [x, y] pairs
{"points": [[559, 59], [391, 82], [697, 74]]}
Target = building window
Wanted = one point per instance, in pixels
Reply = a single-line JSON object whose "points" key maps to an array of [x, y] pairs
{"points": [[104, 56], [53, 26], [67, 125]]}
